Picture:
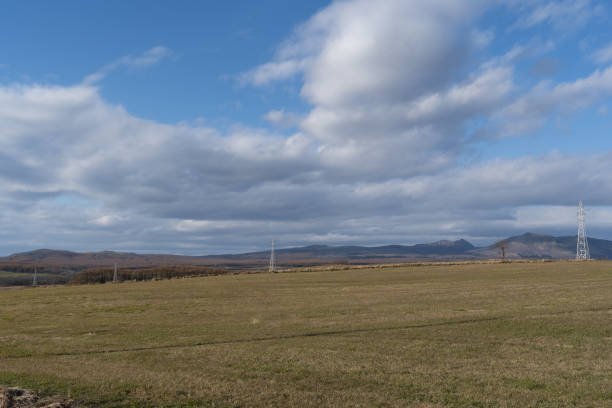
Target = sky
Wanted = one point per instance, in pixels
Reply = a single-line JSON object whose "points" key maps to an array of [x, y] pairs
{"points": [[207, 127]]}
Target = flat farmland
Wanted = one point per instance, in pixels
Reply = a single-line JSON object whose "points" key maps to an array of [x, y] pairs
{"points": [[479, 335]]}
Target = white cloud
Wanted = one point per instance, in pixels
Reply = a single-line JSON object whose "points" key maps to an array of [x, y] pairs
{"points": [[274, 71], [482, 38], [378, 90], [603, 110], [603, 55], [106, 220], [563, 15], [532, 109], [149, 57], [275, 116], [282, 119], [139, 185], [339, 49], [146, 59]]}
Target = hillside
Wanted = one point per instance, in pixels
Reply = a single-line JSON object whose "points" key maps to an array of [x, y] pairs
{"points": [[528, 245], [103, 258], [531, 245], [308, 254], [435, 249]]}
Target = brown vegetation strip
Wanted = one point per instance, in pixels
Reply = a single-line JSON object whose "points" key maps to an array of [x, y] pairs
{"points": [[345, 267], [304, 335]]}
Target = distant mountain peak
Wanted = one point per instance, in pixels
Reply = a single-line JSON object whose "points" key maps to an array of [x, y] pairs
{"points": [[534, 235], [460, 243], [528, 237], [527, 245]]}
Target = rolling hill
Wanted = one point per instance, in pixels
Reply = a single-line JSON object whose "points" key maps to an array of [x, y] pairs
{"points": [[531, 245], [528, 245]]}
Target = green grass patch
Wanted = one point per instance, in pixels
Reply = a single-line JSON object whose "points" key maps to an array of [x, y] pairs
{"points": [[481, 335]]}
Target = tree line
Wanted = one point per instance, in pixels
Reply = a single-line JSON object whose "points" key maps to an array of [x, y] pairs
{"points": [[40, 268], [16, 274], [102, 275]]}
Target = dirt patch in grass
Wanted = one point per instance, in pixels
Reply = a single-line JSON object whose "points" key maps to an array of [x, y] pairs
{"points": [[14, 397]]}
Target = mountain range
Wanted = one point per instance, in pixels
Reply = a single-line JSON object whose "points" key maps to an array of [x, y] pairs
{"points": [[528, 245]]}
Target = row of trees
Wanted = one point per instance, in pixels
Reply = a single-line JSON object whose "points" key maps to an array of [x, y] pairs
{"points": [[102, 275], [29, 268], [20, 279], [19, 274]]}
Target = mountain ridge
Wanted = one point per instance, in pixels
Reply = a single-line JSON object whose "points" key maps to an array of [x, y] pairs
{"points": [[527, 245]]}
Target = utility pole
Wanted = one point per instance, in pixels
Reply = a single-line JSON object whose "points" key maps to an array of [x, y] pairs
{"points": [[115, 280], [35, 280], [582, 244], [272, 259]]}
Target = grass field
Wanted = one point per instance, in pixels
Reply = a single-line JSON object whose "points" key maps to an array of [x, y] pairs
{"points": [[499, 335]]}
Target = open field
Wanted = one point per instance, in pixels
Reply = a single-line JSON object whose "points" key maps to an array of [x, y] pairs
{"points": [[482, 335]]}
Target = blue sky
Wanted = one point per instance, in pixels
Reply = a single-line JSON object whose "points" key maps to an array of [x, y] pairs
{"points": [[62, 42], [201, 127]]}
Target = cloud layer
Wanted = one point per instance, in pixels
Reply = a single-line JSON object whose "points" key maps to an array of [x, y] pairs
{"points": [[400, 95]]}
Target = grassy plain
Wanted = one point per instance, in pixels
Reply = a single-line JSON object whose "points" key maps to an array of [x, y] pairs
{"points": [[481, 335]]}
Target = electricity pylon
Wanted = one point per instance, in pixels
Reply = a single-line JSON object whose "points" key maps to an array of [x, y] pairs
{"points": [[272, 259], [582, 244]]}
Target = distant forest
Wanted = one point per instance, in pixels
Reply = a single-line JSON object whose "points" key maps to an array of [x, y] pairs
{"points": [[23, 275], [102, 275]]}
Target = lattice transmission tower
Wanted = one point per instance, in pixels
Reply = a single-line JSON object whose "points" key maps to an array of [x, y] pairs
{"points": [[582, 244], [272, 259]]}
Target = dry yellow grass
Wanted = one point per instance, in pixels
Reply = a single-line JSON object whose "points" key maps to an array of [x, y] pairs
{"points": [[510, 335]]}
